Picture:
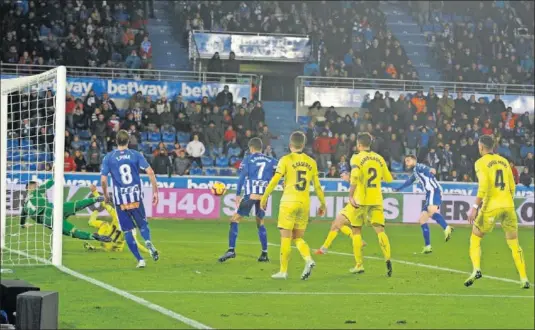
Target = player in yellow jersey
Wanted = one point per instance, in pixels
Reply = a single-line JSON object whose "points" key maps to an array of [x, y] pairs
{"points": [[494, 201], [111, 230], [340, 223], [298, 171], [366, 200]]}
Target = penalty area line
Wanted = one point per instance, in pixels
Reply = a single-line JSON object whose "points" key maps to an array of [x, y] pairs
{"points": [[192, 323], [297, 293], [417, 264]]}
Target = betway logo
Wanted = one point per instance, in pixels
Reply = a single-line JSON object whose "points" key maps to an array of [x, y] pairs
{"points": [[206, 90], [87, 183], [132, 87], [75, 88], [209, 184]]}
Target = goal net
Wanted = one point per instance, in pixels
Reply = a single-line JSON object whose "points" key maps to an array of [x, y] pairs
{"points": [[32, 131]]}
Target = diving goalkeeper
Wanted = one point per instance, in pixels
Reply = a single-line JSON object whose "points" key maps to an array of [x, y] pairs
{"points": [[110, 229], [37, 207]]}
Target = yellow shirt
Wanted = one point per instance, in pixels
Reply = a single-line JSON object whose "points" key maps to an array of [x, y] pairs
{"points": [[496, 182], [368, 169], [298, 170]]}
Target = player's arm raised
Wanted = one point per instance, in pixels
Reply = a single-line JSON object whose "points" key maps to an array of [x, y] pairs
{"points": [[279, 173], [482, 191], [319, 192]]}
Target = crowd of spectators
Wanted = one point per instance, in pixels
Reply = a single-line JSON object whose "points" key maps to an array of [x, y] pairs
{"points": [[485, 41], [173, 134], [349, 38], [441, 131], [75, 33]]}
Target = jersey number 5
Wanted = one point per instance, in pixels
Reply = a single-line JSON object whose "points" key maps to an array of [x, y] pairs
{"points": [[372, 172], [498, 181], [301, 180]]}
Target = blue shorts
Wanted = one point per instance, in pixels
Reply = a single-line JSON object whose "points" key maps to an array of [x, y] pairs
{"points": [[246, 205], [432, 198], [132, 218]]}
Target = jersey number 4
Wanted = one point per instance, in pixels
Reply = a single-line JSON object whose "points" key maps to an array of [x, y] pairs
{"points": [[498, 181]]}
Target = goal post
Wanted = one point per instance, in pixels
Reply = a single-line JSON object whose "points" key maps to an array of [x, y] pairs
{"points": [[32, 146]]}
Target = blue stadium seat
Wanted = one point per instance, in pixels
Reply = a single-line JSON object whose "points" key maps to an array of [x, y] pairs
{"points": [[396, 166], [12, 143], [32, 167], [183, 137], [121, 113], [233, 160], [85, 145], [170, 146], [195, 171], [144, 136], [25, 157], [234, 152], [84, 135], [16, 167], [211, 172], [226, 172], [145, 148], [194, 165], [401, 176], [303, 120], [155, 137], [216, 152], [221, 162], [169, 137], [183, 145], [32, 157], [44, 157], [25, 143], [207, 161], [13, 156]]}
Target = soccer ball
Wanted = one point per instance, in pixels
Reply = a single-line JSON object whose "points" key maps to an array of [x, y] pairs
{"points": [[218, 188]]}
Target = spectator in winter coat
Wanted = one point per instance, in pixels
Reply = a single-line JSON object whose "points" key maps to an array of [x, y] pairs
{"points": [[241, 120], [497, 106], [529, 162], [69, 163], [257, 115], [133, 61], [324, 149], [503, 149], [342, 148], [213, 137], [161, 163], [182, 124], [225, 98], [178, 105], [181, 164], [526, 177], [446, 105], [432, 159], [431, 101], [411, 141], [93, 157], [230, 134], [266, 136], [79, 160], [395, 149], [196, 150], [333, 173], [167, 119], [215, 64], [217, 118], [516, 175]]}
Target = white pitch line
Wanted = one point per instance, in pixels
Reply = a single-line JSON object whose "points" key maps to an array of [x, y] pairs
{"points": [[192, 323], [297, 293], [423, 266]]}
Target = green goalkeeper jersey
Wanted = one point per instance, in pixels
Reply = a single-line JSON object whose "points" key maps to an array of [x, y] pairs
{"points": [[36, 202]]}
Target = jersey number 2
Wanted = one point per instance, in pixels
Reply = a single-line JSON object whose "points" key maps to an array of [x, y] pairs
{"points": [[126, 173], [301, 180], [498, 181], [372, 172]]}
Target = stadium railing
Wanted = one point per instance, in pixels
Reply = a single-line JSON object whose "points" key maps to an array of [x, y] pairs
{"points": [[8, 69], [409, 86]]}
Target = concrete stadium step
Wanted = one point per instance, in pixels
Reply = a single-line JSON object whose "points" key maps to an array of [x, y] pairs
{"points": [[280, 117], [167, 52]]}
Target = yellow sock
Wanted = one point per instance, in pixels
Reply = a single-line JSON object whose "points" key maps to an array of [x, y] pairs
{"points": [[475, 251], [330, 238], [286, 248], [357, 248], [385, 244], [346, 231], [518, 257], [303, 248]]}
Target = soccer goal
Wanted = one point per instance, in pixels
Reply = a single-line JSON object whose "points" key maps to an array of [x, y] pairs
{"points": [[32, 138]]}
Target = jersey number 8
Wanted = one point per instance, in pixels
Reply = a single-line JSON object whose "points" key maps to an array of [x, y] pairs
{"points": [[126, 174]]}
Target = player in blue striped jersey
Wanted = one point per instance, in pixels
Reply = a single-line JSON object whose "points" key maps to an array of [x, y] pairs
{"points": [[433, 198], [256, 170], [124, 166]]}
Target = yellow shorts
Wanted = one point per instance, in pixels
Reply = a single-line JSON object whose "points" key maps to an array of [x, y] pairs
{"points": [[372, 214], [485, 221], [293, 215]]}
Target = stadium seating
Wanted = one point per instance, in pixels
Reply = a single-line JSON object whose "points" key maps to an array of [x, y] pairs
{"points": [[195, 171], [155, 137], [211, 171], [207, 161], [222, 161], [169, 137]]}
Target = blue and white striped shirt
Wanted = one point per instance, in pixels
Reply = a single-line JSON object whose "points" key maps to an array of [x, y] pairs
{"points": [[422, 174]]}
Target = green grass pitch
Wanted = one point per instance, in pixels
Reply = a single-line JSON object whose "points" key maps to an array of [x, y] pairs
{"points": [[240, 293]]}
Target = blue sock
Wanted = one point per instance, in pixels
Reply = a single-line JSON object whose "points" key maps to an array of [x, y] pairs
{"points": [[440, 220], [425, 232], [145, 232], [232, 235], [262, 235], [129, 238]]}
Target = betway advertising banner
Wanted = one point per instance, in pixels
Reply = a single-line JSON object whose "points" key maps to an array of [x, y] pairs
{"points": [[198, 203], [125, 88], [252, 47], [359, 98]]}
